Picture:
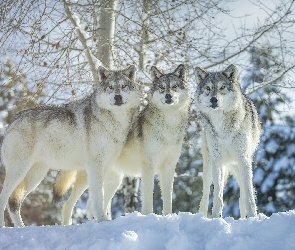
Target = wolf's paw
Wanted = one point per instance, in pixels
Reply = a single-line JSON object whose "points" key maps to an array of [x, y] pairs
{"points": [[102, 218], [216, 215], [251, 215], [67, 223]]}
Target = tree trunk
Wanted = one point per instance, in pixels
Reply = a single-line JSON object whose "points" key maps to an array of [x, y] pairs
{"points": [[106, 32], [144, 33]]}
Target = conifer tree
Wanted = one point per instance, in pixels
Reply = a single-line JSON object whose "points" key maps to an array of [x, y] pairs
{"points": [[15, 95]]}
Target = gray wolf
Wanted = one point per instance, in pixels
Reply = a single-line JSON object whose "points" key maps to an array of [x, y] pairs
{"points": [[86, 134], [230, 138], [153, 145]]}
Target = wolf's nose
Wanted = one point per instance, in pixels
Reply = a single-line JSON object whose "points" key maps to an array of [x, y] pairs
{"points": [[168, 96], [118, 100], [213, 100]]}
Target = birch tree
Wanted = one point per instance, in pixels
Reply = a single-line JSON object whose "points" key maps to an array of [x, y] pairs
{"points": [[106, 32]]}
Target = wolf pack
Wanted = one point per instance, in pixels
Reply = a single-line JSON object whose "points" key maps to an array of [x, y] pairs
{"points": [[98, 140]]}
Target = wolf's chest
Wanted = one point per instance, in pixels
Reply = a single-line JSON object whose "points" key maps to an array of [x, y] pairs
{"points": [[166, 129], [220, 128]]}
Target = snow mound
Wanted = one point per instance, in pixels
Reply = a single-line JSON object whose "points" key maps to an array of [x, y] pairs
{"points": [[182, 231]]}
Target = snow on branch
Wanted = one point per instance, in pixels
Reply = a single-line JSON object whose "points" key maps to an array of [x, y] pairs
{"points": [[83, 39], [261, 85]]}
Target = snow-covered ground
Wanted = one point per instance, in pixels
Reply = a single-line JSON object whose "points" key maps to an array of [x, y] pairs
{"points": [[152, 232]]}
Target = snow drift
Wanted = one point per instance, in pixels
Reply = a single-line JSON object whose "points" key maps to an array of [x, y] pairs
{"points": [[182, 231]]}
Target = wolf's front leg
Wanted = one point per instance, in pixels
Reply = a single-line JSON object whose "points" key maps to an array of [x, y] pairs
{"points": [[166, 183], [207, 181], [147, 187], [247, 193], [112, 181], [244, 177], [207, 176], [96, 194], [218, 182]]}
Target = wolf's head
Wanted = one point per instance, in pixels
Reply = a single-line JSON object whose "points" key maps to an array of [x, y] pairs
{"points": [[117, 87], [169, 89], [217, 90]]}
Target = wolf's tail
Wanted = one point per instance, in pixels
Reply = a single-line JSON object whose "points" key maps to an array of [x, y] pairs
{"points": [[64, 180]]}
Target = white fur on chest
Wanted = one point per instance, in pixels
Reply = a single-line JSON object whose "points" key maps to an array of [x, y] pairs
{"points": [[217, 127], [162, 135], [220, 136]]}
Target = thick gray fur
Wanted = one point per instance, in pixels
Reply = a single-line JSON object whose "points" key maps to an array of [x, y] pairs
{"points": [[85, 135], [230, 137], [153, 144]]}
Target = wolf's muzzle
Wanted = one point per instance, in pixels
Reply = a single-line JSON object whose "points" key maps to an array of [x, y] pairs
{"points": [[118, 100], [214, 102], [168, 98]]}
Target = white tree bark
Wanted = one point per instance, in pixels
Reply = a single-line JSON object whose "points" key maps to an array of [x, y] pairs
{"points": [[106, 32], [144, 33]]}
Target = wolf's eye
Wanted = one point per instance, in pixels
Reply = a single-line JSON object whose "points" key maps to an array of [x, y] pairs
{"points": [[175, 86], [208, 88], [110, 87], [124, 86], [222, 87], [161, 87]]}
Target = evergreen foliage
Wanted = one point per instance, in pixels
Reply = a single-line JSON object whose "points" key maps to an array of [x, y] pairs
{"points": [[15, 94]]}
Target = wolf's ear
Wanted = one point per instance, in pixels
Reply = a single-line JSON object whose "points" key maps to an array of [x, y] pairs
{"points": [[231, 72], [180, 72], [103, 73], [155, 73], [130, 72], [200, 74]]}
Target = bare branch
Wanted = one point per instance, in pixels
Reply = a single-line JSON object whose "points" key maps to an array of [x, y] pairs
{"points": [[266, 84], [82, 39]]}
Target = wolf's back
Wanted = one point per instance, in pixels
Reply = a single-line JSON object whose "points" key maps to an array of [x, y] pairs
{"points": [[40, 133], [252, 114]]}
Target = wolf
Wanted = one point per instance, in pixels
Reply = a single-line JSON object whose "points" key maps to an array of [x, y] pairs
{"points": [[152, 147], [86, 134], [231, 135], [64, 181]]}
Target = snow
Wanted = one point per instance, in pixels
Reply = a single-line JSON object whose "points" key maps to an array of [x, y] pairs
{"points": [[182, 231], [272, 146], [291, 149], [269, 181]]}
